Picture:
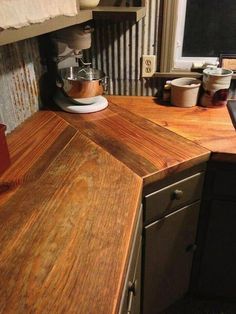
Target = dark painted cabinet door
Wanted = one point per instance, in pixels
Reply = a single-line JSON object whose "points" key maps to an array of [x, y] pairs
{"points": [[214, 274], [168, 253], [217, 275]]}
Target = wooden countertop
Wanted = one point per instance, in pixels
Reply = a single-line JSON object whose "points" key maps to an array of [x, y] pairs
{"points": [[68, 210], [208, 127], [149, 150], [69, 202]]}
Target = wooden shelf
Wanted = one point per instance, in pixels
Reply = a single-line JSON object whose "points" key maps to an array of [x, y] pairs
{"points": [[11, 35], [112, 13], [119, 13]]}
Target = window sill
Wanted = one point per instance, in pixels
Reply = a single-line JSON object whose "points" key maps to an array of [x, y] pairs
{"points": [[182, 74], [177, 74]]}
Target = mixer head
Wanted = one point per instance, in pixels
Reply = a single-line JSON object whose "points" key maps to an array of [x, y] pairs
{"points": [[71, 42], [76, 37]]}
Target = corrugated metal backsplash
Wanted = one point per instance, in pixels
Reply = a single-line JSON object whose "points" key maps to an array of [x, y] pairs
{"points": [[117, 48], [20, 70]]}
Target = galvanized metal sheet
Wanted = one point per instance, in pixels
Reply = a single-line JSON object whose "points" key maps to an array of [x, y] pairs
{"points": [[20, 70], [117, 48]]}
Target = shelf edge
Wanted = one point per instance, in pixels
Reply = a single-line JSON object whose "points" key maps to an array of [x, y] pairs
{"points": [[12, 35], [119, 13]]}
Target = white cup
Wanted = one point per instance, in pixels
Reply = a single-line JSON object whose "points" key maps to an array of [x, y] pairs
{"points": [[184, 91]]}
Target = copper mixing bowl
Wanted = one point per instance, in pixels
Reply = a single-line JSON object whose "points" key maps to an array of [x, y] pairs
{"points": [[81, 82]]}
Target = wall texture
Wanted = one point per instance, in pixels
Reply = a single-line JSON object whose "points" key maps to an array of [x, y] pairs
{"points": [[20, 71]]}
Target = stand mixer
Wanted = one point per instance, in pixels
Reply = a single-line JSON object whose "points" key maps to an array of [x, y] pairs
{"points": [[79, 87]]}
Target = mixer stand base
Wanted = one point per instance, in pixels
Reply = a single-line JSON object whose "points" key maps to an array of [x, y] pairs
{"points": [[87, 105]]}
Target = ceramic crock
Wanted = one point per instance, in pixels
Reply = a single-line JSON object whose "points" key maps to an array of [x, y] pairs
{"points": [[216, 82]]}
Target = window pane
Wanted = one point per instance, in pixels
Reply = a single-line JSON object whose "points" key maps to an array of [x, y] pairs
{"points": [[210, 28]]}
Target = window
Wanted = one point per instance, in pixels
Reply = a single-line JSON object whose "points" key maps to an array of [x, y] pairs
{"points": [[196, 32]]}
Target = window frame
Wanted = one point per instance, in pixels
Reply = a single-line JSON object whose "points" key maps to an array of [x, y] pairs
{"points": [[172, 41]]}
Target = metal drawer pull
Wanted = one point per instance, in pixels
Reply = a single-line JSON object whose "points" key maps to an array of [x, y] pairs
{"points": [[178, 194]]}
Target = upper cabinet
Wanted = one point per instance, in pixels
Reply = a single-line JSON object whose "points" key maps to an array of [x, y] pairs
{"points": [[103, 11]]}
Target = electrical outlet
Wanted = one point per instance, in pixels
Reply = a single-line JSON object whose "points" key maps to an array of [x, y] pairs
{"points": [[148, 65]]}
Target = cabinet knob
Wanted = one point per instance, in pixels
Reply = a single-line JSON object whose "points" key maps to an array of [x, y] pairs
{"points": [[178, 194]]}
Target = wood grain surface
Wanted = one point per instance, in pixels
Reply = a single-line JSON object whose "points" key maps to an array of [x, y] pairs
{"points": [[149, 150], [69, 202], [209, 127], [28, 143], [65, 237], [32, 147]]}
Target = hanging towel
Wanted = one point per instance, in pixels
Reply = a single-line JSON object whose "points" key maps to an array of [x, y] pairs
{"points": [[19, 13]]}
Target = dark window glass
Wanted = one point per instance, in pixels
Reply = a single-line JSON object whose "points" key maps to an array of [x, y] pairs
{"points": [[210, 28]]}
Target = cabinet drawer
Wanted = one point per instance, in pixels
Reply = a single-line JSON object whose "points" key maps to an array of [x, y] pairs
{"points": [[172, 197]]}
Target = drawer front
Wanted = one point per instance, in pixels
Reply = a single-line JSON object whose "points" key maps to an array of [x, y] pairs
{"points": [[172, 197]]}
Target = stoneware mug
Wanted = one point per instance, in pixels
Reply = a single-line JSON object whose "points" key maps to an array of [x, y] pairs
{"points": [[216, 82]]}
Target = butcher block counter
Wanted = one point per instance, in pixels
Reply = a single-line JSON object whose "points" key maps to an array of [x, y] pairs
{"points": [[70, 200]]}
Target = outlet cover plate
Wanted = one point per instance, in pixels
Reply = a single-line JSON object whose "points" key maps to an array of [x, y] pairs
{"points": [[148, 65]]}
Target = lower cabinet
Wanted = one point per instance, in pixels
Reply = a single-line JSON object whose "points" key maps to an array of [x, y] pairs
{"points": [[215, 271], [164, 243], [169, 245], [171, 214], [217, 277]]}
